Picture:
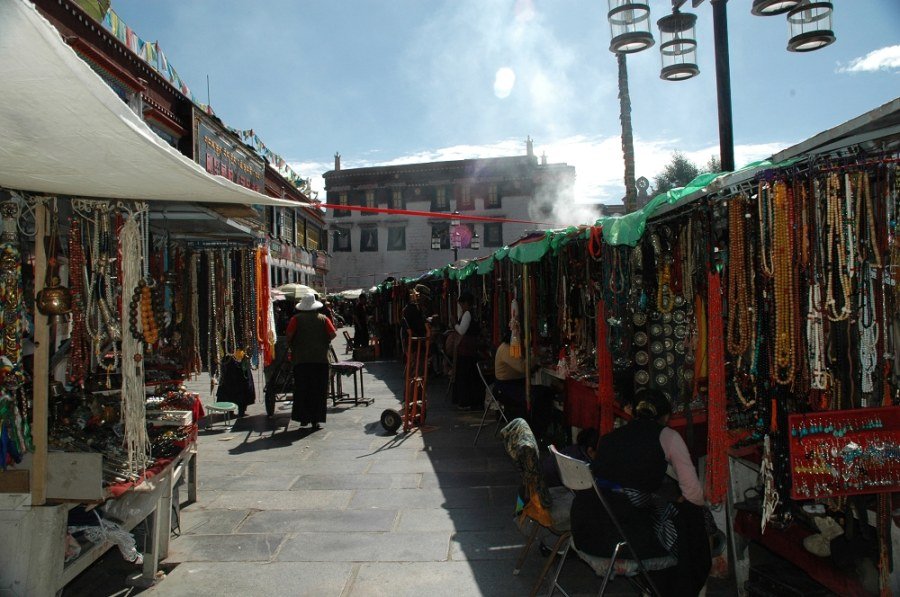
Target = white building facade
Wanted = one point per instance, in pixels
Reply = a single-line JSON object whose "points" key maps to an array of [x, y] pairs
{"points": [[368, 247]]}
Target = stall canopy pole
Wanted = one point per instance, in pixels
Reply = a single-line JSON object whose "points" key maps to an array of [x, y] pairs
{"points": [[526, 321], [41, 365]]}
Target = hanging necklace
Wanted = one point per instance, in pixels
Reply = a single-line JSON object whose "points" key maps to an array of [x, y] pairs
{"points": [[228, 304], [837, 267], [766, 223], [739, 279], [196, 364], [212, 352], [76, 368], [785, 300]]}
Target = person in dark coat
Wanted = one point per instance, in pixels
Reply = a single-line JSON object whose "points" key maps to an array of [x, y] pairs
{"points": [[630, 469], [468, 392], [309, 335], [361, 322], [416, 312], [236, 382]]}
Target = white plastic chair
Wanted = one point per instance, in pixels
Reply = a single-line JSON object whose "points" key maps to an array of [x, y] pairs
{"points": [[577, 476]]}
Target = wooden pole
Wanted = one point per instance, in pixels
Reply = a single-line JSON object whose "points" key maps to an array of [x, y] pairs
{"points": [[526, 323], [41, 365]]}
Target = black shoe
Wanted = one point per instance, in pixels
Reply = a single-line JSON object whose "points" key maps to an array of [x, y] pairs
{"points": [[316, 426]]}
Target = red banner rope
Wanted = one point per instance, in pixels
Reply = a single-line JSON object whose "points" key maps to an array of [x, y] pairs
{"points": [[422, 214]]}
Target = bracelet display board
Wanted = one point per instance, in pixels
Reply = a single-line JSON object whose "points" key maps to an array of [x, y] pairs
{"points": [[845, 452]]}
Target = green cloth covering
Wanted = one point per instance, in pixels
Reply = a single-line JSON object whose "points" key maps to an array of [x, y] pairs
{"points": [[617, 230]]}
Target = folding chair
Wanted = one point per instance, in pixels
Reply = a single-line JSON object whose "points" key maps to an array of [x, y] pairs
{"points": [[491, 403], [545, 509], [577, 476], [348, 347]]}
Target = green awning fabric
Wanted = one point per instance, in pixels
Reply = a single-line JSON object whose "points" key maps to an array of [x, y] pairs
{"points": [[628, 229], [531, 251], [485, 266]]}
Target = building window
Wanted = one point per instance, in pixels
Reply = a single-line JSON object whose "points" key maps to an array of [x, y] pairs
{"points": [[396, 238], [465, 201], [300, 236], [341, 240], [493, 235], [370, 202], [342, 213], [397, 199], [493, 198], [312, 239], [441, 231], [368, 240], [440, 201]]}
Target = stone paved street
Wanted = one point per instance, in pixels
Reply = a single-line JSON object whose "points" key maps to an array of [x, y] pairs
{"points": [[350, 511]]}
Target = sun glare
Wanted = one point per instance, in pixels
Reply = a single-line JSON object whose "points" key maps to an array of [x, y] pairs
{"points": [[504, 81]]}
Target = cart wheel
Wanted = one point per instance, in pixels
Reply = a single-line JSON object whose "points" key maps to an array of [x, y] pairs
{"points": [[391, 421], [269, 393]]}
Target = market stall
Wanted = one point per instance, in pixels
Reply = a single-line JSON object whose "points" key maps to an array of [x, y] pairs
{"points": [[763, 303], [107, 302]]}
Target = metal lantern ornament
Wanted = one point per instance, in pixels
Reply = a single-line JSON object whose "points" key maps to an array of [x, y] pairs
{"points": [[678, 46], [629, 26], [475, 243], [810, 26], [767, 8]]}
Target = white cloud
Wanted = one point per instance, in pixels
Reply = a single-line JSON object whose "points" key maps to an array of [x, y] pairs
{"points": [[597, 159], [887, 58]]}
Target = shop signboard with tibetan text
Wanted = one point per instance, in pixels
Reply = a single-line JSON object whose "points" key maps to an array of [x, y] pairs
{"points": [[220, 153]]}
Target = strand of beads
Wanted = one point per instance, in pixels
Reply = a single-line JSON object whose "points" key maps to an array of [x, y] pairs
{"points": [[76, 367], [739, 279], [785, 299], [836, 268]]}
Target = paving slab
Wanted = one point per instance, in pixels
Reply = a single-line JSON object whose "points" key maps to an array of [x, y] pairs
{"points": [[366, 547], [300, 499], [210, 522], [333, 521], [240, 579], [369, 481], [225, 548]]}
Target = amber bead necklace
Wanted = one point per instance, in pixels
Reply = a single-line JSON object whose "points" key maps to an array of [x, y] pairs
{"points": [[786, 300]]}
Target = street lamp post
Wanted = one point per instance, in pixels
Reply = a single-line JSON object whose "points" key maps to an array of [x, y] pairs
{"points": [[809, 24]]}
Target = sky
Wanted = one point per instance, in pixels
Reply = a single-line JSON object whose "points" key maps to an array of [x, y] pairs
{"points": [[406, 81]]}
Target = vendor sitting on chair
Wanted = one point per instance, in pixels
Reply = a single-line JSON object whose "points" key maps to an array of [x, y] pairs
{"points": [[509, 375]]}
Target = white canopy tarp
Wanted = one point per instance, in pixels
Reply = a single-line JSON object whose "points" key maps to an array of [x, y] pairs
{"points": [[64, 131]]}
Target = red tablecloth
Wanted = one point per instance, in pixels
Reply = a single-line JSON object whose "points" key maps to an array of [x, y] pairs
{"points": [[582, 406]]}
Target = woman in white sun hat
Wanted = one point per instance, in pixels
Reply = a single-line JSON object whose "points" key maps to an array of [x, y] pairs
{"points": [[309, 335]]}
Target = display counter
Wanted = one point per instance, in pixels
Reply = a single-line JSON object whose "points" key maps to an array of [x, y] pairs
{"points": [[32, 556]]}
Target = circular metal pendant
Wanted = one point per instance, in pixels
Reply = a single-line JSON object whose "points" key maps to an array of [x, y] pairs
{"points": [[639, 318], [656, 347], [661, 379], [659, 363], [640, 339], [669, 344], [641, 377], [678, 316], [641, 358], [679, 301], [689, 359], [688, 374], [681, 331], [670, 372], [666, 317], [656, 329], [679, 347], [670, 358], [667, 329]]}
